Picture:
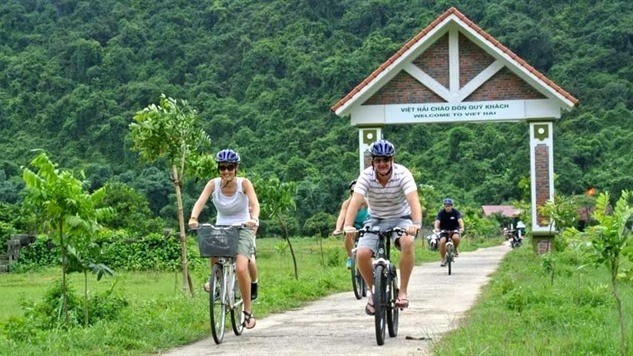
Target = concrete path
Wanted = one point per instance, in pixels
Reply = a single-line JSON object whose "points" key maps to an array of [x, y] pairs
{"points": [[338, 325]]}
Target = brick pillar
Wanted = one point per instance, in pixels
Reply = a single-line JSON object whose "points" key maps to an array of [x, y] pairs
{"points": [[542, 182], [366, 136]]}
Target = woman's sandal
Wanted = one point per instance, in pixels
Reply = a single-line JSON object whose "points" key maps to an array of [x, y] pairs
{"points": [[248, 318]]}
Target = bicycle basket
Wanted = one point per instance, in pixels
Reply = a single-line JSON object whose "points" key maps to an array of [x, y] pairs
{"points": [[216, 241]]}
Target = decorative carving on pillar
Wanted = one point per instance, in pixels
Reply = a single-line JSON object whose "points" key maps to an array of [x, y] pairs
{"points": [[542, 170]]}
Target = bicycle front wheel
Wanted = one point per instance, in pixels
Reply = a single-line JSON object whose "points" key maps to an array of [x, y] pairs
{"points": [[450, 254], [217, 308], [393, 311], [358, 285], [380, 302], [237, 311]]}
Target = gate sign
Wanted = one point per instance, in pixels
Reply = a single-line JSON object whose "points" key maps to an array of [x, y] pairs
{"points": [[464, 111]]}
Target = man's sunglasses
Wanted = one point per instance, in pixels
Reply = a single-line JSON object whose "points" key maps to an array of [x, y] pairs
{"points": [[380, 159], [225, 167]]}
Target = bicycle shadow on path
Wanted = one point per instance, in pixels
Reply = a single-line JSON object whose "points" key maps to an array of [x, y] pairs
{"points": [[338, 325]]}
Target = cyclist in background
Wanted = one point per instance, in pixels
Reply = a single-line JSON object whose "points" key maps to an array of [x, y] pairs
{"points": [[236, 203], [393, 197], [448, 219], [361, 216]]}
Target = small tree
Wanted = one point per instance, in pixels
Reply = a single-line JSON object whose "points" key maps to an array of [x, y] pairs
{"points": [[277, 200], [77, 263], [169, 130], [612, 241], [561, 214], [66, 211]]}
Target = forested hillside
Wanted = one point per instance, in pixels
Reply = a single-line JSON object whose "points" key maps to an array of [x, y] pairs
{"points": [[264, 74]]}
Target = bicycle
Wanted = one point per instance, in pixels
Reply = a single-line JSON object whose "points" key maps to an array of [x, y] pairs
{"points": [[515, 237], [385, 284], [220, 243], [358, 283], [450, 248], [433, 241]]}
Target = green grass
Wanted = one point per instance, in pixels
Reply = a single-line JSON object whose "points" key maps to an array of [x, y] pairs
{"points": [[522, 313], [159, 316]]}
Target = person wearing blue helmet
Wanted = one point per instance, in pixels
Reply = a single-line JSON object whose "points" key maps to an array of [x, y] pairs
{"points": [[448, 219], [236, 202], [392, 195]]}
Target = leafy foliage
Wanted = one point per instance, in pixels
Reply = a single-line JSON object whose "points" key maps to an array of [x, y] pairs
{"points": [[67, 213], [73, 73]]}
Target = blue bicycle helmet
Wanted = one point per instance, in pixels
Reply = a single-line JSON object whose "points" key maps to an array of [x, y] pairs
{"points": [[382, 148], [448, 201], [227, 155]]}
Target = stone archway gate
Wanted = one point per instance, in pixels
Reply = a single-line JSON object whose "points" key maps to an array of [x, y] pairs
{"points": [[454, 72]]}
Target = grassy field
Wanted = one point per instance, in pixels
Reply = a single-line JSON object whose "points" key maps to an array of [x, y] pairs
{"points": [[159, 316], [524, 312], [521, 312]]}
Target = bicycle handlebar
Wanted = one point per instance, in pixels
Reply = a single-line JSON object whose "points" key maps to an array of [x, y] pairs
{"points": [[398, 230], [218, 227]]}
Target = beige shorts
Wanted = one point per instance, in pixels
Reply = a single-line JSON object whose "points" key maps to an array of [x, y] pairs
{"points": [[246, 244]]}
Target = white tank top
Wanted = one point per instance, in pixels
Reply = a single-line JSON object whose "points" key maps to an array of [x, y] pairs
{"points": [[231, 209]]}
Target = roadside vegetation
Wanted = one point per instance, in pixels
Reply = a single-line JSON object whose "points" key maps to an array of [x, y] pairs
{"points": [[521, 313], [576, 299], [147, 311]]}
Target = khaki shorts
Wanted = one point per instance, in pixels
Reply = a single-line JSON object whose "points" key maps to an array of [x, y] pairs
{"points": [[371, 240], [246, 244]]}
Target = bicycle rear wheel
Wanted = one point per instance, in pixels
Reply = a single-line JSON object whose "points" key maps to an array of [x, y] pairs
{"points": [[217, 308], [237, 312], [393, 311], [380, 302], [358, 284]]}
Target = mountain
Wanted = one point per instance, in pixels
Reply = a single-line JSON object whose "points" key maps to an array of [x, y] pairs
{"points": [[264, 74]]}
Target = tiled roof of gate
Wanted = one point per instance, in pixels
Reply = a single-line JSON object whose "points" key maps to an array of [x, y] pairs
{"points": [[425, 31]]}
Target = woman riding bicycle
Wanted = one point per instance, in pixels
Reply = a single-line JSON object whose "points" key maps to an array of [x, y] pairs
{"points": [[393, 197], [361, 216], [236, 203], [448, 219]]}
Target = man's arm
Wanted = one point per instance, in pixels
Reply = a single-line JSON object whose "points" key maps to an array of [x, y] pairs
{"points": [[416, 209], [436, 224]]}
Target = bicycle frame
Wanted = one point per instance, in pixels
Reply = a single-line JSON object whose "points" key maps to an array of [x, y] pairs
{"points": [[230, 279], [385, 284]]}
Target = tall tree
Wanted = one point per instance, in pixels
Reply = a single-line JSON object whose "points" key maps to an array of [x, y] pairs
{"points": [[170, 131]]}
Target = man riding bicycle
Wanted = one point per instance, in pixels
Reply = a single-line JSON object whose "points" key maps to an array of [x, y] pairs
{"points": [[448, 219], [393, 197]]}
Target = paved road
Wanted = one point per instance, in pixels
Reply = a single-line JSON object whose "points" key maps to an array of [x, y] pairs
{"points": [[337, 324]]}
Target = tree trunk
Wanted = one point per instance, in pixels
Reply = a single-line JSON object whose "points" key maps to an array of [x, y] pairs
{"points": [[292, 252], [187, 285], [86, 316], [64, 269]]}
